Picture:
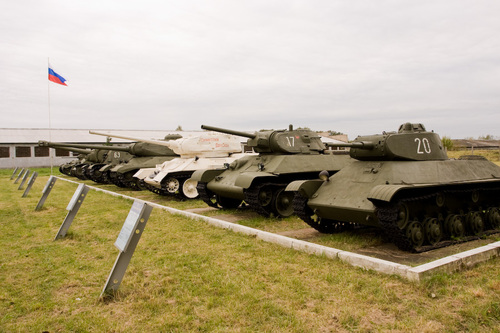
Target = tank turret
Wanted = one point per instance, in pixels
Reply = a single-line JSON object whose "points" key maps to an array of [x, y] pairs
{"points": [[411, 143], [203, 145], [300, 141]]}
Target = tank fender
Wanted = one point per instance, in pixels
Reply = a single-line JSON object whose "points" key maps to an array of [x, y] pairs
{"points": [[245, 179], [205, 176], [106, 168], [385, 192], [306, 187]]}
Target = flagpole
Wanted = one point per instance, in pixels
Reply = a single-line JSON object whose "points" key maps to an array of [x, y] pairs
{"points": [[50, 125]]}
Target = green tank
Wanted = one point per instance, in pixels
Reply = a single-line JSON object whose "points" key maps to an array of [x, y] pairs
{"points": [[81, 157], [77, 168], [142, 155], [404, 183], [260, 179]]}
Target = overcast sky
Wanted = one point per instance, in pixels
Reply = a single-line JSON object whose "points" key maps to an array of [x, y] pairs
{"points": [[358, 67]]}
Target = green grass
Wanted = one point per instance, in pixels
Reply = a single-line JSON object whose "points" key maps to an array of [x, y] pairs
{"points": [[188, 276]]}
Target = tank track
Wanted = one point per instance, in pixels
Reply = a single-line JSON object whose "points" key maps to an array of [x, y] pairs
{"points": [[155, 190], [128, 180], [206, 195], [95, 174], [387, 214], [252, 199], [113, 178], [325, 226]]}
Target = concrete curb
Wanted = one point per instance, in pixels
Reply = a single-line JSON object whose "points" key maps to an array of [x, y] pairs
{"points": [[448, 264]]}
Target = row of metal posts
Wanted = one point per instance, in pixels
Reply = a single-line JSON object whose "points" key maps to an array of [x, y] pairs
{"points": [[127, 239]]}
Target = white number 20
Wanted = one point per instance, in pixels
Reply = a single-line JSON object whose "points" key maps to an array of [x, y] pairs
{"points": [[423, 146]]}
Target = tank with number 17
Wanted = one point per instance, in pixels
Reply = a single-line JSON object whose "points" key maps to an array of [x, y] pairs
{"points": [[260, 180], [404, 183]]}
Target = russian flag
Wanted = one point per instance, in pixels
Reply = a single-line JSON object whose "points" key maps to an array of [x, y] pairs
{"points": [[54, 77]]}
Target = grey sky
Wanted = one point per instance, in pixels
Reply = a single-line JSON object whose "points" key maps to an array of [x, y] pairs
{"points": [[359, 67]]}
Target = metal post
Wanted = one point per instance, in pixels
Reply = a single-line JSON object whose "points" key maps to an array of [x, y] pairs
{"points": [[127, 242], [30, 184], [46, 191], [14, 173], [24, 179], [73, 206], [19, 176]]}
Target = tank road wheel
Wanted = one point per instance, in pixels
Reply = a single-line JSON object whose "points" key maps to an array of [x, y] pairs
{"points": [[80, 172], [228, 203], [493, 218], [206, 195], [415, 233], [265, 196], [474, 223], [454, 225], [283, 203], [259, 198], [189, 189], [141, 184], [95, 174], [113, 178], [433, 230], [305, 212], [171, 185]]}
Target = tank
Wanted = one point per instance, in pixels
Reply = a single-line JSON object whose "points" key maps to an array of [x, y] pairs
{"points": [[204, 151], [66, 167], [260, 180], [142, 155], [404, 183], [86, 158]]}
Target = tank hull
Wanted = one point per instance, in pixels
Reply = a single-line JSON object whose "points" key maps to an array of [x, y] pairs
{"points": [[259, 180], [417, 202]]}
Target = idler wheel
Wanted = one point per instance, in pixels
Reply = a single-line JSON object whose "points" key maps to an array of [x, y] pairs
{"points": [[455, 225], [415, 233], [475, 223], [493, 217], [433, 230], [283, 203], [189, 189]]}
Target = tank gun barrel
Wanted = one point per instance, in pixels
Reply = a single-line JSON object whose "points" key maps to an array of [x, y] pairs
{"points": [[82, 145], [366, 145], [229, 131], [154, 142], [76, 150]]}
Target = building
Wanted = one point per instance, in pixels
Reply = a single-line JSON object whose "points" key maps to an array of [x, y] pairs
{"points": [[19, 146]]}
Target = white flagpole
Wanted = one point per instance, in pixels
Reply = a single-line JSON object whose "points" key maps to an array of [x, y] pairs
{"points": [[50, 125]]}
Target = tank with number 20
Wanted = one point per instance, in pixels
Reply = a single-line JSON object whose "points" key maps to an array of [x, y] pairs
{"points": [[404, 183]]}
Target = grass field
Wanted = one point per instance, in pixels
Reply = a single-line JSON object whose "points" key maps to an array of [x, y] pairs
{"points": [[188, 276]]}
